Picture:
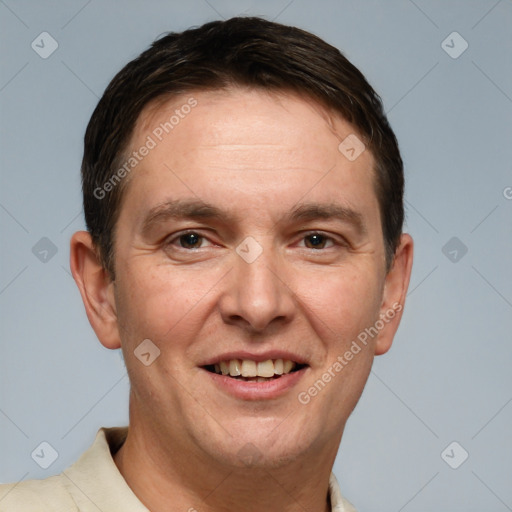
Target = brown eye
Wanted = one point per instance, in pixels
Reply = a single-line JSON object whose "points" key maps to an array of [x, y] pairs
{"points": [[316, 241], [190, 241]]}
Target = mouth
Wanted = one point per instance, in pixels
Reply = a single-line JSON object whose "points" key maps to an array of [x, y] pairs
{"points": [[248, 370]]}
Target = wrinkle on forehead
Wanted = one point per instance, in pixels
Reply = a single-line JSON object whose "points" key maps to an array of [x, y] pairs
{"points": [[225, 132], [167, 103], [257, 157]]}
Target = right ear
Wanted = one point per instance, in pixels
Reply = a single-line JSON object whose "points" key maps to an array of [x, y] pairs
{"points": [[96, 288]]}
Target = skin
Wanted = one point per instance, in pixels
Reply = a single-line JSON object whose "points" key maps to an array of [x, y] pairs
{"points": [[256, 156]]}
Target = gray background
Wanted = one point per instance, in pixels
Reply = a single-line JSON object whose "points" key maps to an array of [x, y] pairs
{"points": [[448, 377]]}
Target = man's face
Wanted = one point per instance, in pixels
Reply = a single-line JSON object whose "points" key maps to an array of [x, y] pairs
{"points": [[246, 235]]}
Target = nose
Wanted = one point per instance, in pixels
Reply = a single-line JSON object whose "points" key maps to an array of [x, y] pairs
{"points": [[257, 297]]}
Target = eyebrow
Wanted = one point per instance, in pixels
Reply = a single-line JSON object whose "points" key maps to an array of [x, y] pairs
{"points": [[182, 209], [197, 209], [314, 211]]}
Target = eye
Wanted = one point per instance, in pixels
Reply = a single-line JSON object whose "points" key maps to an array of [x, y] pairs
{"points": [[318, 241], [190, 240]]}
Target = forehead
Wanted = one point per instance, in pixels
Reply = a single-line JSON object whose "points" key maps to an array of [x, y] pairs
{"points": [[276, 120], [246, 139]]}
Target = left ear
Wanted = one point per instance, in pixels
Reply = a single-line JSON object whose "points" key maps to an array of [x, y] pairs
{"points": [[395, 291]]}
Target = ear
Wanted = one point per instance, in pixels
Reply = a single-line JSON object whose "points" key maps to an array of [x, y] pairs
{"points": [[96, 288], [394, 293]]}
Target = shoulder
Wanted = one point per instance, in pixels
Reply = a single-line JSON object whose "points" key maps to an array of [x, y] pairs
{"points": [[88, 484], [50, 494]]}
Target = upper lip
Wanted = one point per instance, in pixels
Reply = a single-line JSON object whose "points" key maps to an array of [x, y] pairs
{"points": [[257, 357]]}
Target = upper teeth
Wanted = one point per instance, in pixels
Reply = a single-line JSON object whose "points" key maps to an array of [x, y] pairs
{"points": [[248, 368]]}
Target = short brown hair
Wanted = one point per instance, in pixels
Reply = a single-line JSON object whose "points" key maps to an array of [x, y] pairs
{"points": [[244, 51]]}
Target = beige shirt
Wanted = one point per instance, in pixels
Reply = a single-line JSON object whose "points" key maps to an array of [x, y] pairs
{"points": [[95, 484]]}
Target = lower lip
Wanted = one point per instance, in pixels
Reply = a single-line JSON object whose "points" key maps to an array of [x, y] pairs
{"points": [[251, 390]]}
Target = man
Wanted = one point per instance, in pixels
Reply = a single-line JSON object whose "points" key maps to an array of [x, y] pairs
{"points": [[243, 198]]}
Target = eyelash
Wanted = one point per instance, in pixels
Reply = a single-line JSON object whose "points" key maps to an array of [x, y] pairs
{"points": [[327, 238]]}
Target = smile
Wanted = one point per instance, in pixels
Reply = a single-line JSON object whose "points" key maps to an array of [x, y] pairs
{"points": [[253, 371]]}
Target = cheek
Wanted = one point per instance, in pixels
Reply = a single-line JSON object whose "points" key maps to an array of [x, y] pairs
{"points": [[341, 303], [155, 301]]}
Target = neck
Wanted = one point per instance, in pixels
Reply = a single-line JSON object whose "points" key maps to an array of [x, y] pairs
{"points": [[171, 476]]}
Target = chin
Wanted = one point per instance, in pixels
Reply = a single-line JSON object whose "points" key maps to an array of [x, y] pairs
{"points": [[256, 443]]}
